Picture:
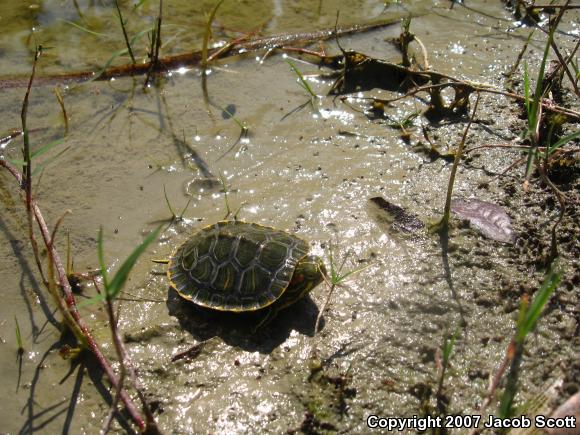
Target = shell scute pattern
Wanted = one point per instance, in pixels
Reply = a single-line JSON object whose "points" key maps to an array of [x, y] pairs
{"points": [[235, 266]]}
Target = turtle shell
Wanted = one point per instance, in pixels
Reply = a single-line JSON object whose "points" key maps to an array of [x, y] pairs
{"points": [[235, 266]]}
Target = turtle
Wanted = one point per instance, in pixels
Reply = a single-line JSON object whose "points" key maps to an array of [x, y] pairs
{"points": [[239, 266]]}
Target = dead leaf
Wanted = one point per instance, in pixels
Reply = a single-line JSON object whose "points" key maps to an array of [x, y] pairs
{"points": [[490, 219]]}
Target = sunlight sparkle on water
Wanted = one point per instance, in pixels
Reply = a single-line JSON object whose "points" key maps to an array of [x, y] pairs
{"points": [[457, 49], [265, 407], [187, 397], [341, 115]]}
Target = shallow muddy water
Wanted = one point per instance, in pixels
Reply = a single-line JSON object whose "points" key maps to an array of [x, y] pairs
{"points": [[309, 170]]}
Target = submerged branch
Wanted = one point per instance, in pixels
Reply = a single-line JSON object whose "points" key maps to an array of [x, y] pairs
{"points": [[194, 58]]}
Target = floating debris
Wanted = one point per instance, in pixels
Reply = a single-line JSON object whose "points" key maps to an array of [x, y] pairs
{"points": [[399, 218], [490, 219]]}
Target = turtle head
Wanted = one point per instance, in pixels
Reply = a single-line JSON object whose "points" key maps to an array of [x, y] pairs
{"points": [[308, 274]]}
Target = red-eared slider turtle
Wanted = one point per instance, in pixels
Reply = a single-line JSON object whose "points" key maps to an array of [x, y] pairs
{"points": [[241, 266]]}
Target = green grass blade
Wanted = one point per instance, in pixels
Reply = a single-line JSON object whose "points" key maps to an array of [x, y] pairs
{"points": [[241, 124], [124, 30], [186, 207], [18, 335], [448, 346], [44, 164], [36, 153], [46, 147], [527, 89], [349, 273], [140, 34], [534, 110], [83, 29], [139, 4], [101, 256], [118, 53], [115, 55], [563, 141], [539, 91], [168, 203], [537, 305], [301, 79], [17, 162], [333, 275], [225, 189], [116, 284], [207, 35]]}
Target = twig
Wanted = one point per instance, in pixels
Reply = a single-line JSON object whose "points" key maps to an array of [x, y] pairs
{"points": [[27, 179], [510, 353], [509, 168], [194, 58], [423, 51], [127, 43], [155, 47], [564, 64], [323, 308], [57, 225], [70, 302], [127, 366], [226, 48], [207, 37], [562, 200], [122, 370], [60, 100], [443, 225], [547, 105]]}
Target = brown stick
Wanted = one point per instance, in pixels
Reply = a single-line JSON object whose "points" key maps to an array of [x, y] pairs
{"points": [[27, 169], [495, 380], [194, 58]]}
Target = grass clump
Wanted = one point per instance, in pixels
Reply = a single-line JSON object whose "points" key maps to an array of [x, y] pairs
{"points": [[528, 317]]}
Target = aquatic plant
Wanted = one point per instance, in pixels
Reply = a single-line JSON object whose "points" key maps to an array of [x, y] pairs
{"points": [[442, 226], [527, 320], [175, 216], [207, 37], [528, 317], [122, 24], [112, 288], [336, 278], [55, 278], [443, 364], [304, 85]]}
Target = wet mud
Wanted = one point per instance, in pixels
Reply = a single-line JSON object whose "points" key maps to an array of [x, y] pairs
{"points": [[310, 171]]}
